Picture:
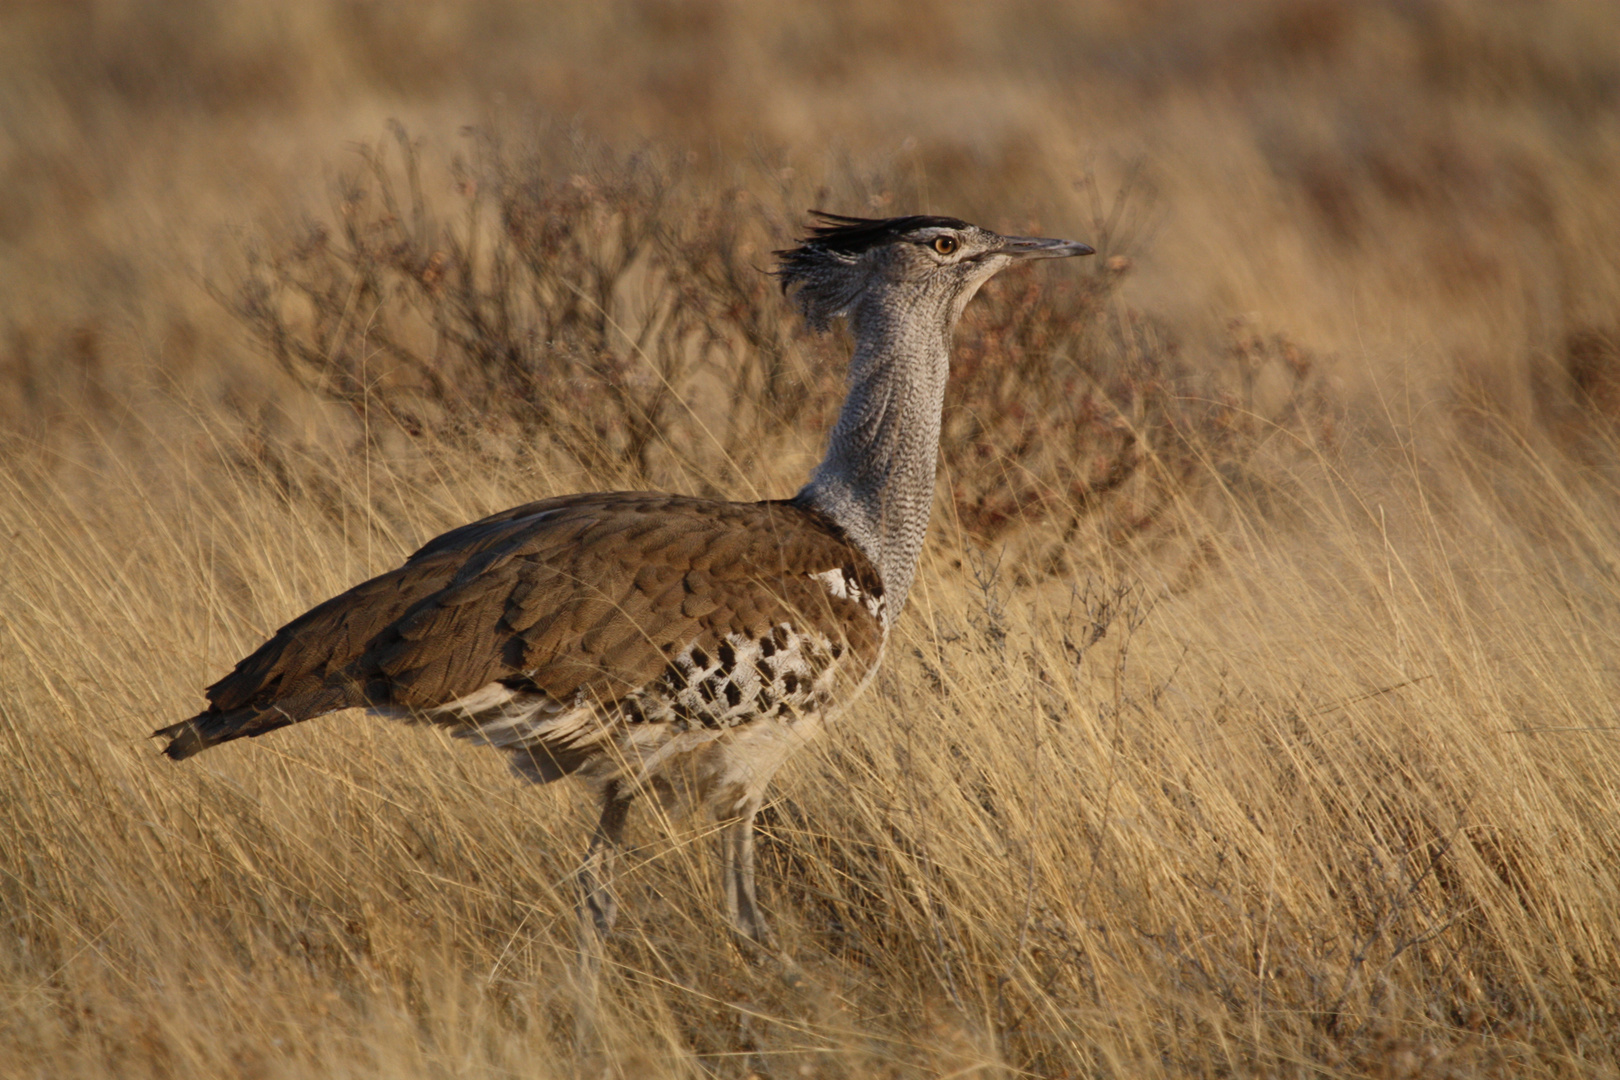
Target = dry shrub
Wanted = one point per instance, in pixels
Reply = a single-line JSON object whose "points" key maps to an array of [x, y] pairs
{"points": [[591, 307], [572, 301]]}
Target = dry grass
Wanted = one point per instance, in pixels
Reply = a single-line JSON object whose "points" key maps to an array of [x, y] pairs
{"points": [[1256, 711]]}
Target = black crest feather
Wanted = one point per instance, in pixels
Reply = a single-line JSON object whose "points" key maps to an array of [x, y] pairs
{"points": [[837, 241], [853, 235]]}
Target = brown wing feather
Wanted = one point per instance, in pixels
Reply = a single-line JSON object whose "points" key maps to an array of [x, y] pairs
{"points": [[584, 594]]}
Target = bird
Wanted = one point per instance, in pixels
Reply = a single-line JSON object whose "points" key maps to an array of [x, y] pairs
{"points": [[660, 644]]}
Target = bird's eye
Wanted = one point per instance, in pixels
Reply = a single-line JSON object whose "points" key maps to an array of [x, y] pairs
{"points": [[944, 244]]}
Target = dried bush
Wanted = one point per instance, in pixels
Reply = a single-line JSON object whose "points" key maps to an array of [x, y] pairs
{"points": [[591, 305]]}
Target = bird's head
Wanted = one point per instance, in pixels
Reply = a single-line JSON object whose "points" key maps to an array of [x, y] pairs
{"points": [[921, 260]]}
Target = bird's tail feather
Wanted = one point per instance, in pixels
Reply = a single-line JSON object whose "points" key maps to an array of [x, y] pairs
{"points": [[215, 726]]}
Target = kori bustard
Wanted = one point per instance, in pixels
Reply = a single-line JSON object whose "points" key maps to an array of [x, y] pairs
{"points": [[656, 643]]}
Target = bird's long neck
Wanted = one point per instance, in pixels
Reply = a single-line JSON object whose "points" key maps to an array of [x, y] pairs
{"points": [[877, 480]]}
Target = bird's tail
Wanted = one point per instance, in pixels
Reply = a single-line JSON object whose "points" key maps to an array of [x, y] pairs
{"points": [[215, 726]]}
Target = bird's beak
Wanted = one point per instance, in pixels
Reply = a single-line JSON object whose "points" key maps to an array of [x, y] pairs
{"points": [[1035, 247]]}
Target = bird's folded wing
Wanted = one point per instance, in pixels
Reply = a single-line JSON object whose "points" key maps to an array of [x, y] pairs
{"points": [[587, 594]]}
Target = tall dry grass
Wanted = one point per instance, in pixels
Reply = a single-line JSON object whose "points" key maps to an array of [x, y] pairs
{"points": [[1256, 710], [1342, 804]]}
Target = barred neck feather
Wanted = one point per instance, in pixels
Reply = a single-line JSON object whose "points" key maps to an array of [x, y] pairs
{"points": [[877, 480]]}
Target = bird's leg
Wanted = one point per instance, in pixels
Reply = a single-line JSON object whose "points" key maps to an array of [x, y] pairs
{"points": [[731, 879], [737, 885], [737, 879], [598, 906]]}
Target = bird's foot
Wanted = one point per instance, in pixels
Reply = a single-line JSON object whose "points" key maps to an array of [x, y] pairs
{"points": [[758, 942]]}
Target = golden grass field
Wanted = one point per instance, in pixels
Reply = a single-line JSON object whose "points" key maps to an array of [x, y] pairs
{"points": [[1257, 710]]}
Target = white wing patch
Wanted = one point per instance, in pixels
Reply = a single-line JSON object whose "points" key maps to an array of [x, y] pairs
{"points": [[845, 586], [515, 719]]}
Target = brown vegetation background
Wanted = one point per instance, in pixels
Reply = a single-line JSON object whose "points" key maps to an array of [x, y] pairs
{"points": [[1256, 712]]}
